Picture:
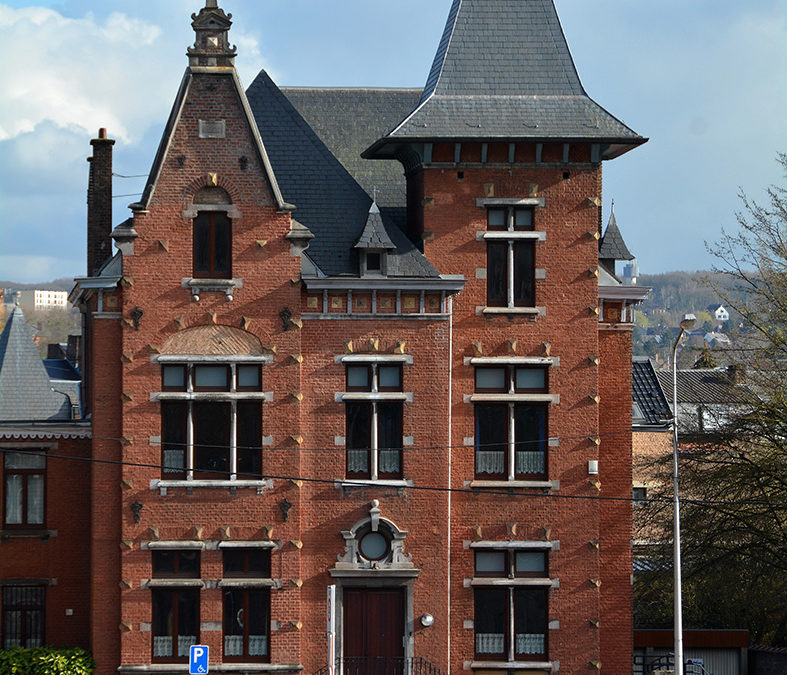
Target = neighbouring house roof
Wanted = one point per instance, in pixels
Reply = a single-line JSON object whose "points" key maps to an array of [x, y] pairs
{"points": [[701, 386], [25, 388], [503, 70], [612, 246], [328, 198], [647, 394]]}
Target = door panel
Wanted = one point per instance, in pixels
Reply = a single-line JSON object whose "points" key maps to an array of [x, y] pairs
{"points": [[373, 623]]}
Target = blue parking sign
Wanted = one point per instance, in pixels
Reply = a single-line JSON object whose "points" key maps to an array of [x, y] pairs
{"points": [[198, 659]]}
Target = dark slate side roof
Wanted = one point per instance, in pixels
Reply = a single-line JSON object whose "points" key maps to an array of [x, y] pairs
{"points": [[647, 392], [25, 390], [612, 246], [329, 200], [700, 386], [349, 120], [503, 70]]}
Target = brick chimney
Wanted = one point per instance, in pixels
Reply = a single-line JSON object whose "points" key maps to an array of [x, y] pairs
{"points": [[99, 203]]}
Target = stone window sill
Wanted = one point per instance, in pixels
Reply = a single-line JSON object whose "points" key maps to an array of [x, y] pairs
{"points": [[247, 668], [505, 484], [28, 534], [198, 286], [512, 665], [163, 485], [350, 483]]}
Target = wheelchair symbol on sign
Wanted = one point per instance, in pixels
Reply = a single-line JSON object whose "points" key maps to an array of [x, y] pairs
{"points": [[198, 659]]}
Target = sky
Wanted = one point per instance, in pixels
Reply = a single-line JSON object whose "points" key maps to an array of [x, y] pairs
{"points": [[704, 80]]}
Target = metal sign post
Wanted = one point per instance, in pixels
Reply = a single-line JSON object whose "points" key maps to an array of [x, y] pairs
{"points": [[331, 629]]}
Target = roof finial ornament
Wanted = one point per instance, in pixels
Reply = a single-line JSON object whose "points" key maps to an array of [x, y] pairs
{"points": [[374, 194], [211, 4]]}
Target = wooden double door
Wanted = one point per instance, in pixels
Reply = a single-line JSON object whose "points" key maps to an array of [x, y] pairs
{"points": [[373, 631]]}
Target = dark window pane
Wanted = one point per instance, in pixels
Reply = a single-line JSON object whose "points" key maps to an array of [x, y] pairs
{"points": [[491, 563], [359, 378], [174, 377], [259, 622], [530, 379], [389, 378], [530, 439], [250, 562], [163, 622], [173, 437], [524, 273], [491, 379], [215, 378], [249, 439], [491, 438], [373, 262], [491, 607], [211, 439], [523, 219], [222, 246], [530, 563], [530, 621], [496, 274], [389, 439], [182, 564], [496, 219], [163, 563], [249, 378], [23, 616], [202, 252], [358, 438], [188, 620]]}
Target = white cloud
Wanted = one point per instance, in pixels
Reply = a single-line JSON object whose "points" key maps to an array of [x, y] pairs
{"points": [[82, 72]]}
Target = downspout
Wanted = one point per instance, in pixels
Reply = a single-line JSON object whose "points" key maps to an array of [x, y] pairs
{"points": [[450, 449]]}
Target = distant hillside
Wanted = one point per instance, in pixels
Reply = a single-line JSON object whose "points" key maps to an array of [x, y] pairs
{"points": [[64, 284], [684, 291]]}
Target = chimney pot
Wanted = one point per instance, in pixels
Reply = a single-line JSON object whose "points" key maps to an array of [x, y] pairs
{"points": [[102, 132]]}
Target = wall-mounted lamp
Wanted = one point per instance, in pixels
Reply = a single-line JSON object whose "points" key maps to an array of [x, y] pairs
{"points": [[427, 620]]}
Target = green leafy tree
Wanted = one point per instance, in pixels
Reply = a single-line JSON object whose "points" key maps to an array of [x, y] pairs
{"points": [[734, 480]]}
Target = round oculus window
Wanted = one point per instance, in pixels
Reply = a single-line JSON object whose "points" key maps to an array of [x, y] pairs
{"points": [[374, 546]]}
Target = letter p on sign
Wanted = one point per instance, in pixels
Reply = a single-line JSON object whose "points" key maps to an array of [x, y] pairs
{"points": [[198, 659]]}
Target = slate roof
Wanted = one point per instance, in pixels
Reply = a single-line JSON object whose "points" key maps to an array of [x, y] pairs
{"points": [[700, 386], [25, 390], [612, 246], [374, 235], [329, 200], [503, 70], [648, 394]]}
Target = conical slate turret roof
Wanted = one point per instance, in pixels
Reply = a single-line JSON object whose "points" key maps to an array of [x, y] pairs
{"points": [[612, 246], [25, 390], [374, 235], [503, 71]]}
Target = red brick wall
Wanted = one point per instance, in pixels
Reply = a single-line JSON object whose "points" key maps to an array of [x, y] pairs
{"points": [[615, 477], [64, 556]]}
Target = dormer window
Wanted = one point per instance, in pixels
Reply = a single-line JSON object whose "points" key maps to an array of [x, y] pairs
{"points": [[373, 246], [374, 264]]}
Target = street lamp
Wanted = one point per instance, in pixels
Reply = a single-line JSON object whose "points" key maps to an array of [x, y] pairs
{"points": [[686, 324]]}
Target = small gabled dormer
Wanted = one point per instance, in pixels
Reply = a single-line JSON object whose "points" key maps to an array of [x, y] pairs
{"points": [[373, 246]]}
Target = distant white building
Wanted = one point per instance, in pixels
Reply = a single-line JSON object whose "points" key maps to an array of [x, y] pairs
{"points": [[44, 300], [720, 313]]}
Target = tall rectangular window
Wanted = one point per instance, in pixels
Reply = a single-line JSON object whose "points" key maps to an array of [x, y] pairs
{"points": [[23, 616], [510, 621], [175, 623], [510, 435], [246, 608], [510, 259], [374, 425], [24, 487], [212, 245], [175, 609], [211, 433]]}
